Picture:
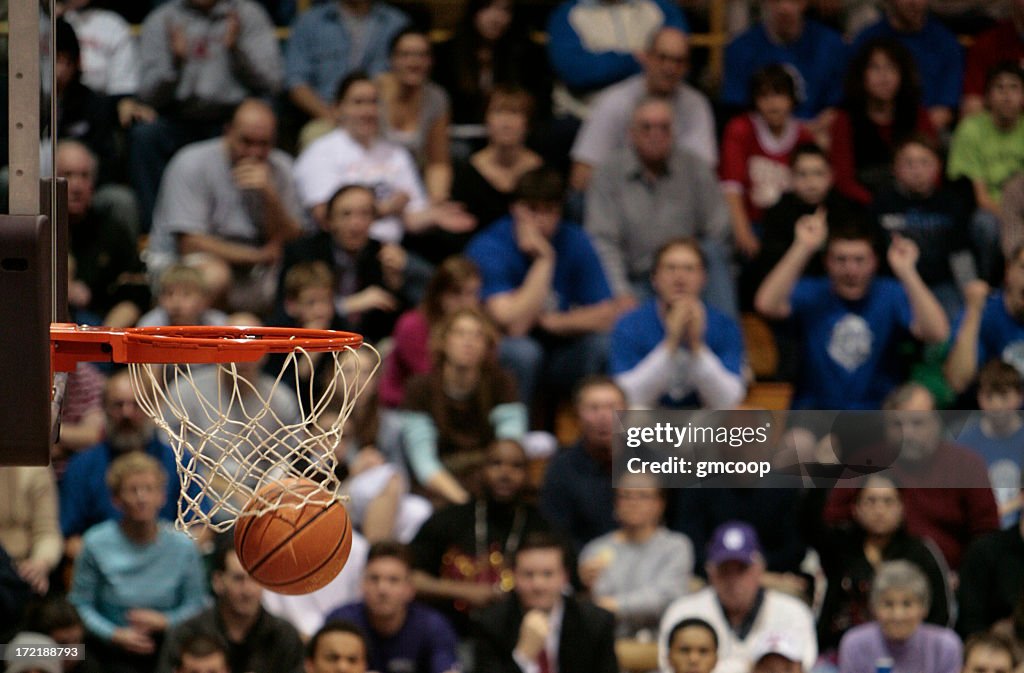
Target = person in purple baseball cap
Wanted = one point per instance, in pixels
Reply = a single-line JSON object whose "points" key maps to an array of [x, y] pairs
{"points": [[736, 604]]}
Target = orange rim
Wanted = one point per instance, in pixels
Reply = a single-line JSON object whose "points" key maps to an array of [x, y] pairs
{"points": [[197, 344]]}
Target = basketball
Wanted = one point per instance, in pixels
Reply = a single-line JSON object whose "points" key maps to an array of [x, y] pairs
{"points": [[295, 548]]}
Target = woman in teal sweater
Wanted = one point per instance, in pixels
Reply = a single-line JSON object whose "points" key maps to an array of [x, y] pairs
{"points": [[136, 577]]}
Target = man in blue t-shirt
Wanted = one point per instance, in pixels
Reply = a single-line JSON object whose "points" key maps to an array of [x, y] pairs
{"points": [[544, 285], [991, 326], [674, 350], [998, 435], [936, 51], [850, 321], [402, 636], [814, 54]]}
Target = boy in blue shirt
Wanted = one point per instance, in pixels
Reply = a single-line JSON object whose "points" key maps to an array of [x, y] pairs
{"points": [[998, 436], [991, 326]]}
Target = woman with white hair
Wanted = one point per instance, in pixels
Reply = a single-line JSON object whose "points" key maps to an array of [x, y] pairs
{"points": [[898, 637]]}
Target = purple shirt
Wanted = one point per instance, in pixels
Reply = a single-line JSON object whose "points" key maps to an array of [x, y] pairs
{"points": [[426, 643], [932, 649]]}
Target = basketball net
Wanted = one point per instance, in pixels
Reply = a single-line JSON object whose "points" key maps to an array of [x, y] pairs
{"points": [[232, 436]]}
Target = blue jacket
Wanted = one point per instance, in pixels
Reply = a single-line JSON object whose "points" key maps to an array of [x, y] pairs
{"points": [[85, 499]]}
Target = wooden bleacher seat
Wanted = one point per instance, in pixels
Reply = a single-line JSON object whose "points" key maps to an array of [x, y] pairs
{"points": [[635, 656], [762, 353], [763, 356]]}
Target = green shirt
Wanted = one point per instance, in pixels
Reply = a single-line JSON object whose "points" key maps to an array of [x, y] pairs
{"points": [[980, 151]]}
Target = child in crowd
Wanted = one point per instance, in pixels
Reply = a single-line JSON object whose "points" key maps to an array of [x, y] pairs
{"points": [[756, 149], [883, 105], [934, 214], [309, 304], [454, 285], [989, 653], [136, 577], [998, 436], [812, 195], [692, 646], [309, 296], [183, 299], [988, 147]]}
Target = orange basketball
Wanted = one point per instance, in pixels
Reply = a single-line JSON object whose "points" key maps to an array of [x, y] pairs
{"points": [[295, 548]]}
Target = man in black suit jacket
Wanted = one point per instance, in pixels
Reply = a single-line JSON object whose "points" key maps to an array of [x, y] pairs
{"points": [[537, 629]]}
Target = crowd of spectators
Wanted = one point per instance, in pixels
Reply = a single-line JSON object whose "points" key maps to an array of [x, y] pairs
{"points": [[531, 230]]}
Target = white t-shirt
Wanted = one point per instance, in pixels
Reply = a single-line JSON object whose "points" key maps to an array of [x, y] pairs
{"points": [[336, 160], [779, 613], [607, 127], [110, 63]]}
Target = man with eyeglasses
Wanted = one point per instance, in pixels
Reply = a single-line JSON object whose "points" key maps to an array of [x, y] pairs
{"points": [[593, 45], [675, 351], [637, 570], [227, 206], [198, 60], [666, 62], [654, 191]]}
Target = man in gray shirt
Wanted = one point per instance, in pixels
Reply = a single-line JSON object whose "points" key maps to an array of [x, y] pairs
{"points": [[651, 193], [637, 570], [199, 60], [227, 206], [606, 129]]}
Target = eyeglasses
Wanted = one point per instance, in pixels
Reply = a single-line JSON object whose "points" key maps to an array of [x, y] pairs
{"points": [[671, 58], [647, 127]]}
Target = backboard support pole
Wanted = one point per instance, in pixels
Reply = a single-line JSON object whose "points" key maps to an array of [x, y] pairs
{"points": [[23, 120], [33, 256]]}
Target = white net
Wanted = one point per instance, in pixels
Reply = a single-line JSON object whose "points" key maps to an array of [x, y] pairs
{"points": [[235, 430]]}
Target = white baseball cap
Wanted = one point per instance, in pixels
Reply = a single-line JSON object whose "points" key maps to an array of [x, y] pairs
{"points": [[782, 644], [32, 639]]}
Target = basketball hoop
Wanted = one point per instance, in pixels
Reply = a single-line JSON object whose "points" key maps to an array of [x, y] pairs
{"points": [[229, 434]]}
